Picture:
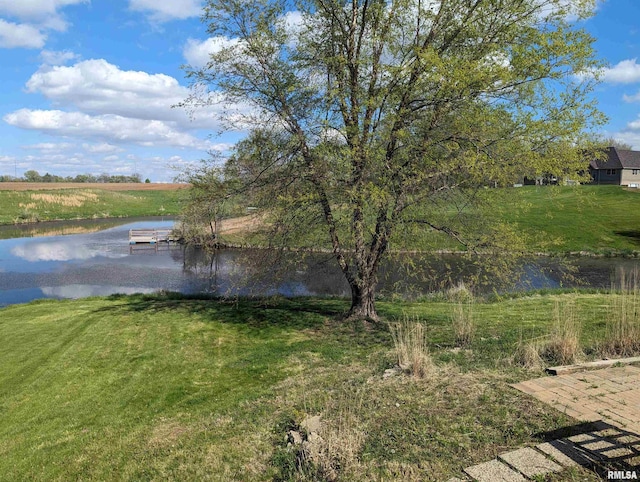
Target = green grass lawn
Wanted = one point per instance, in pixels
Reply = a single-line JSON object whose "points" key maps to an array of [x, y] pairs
{"points": [[33, 206], [599, 219], [545, 219], [170, 388]]}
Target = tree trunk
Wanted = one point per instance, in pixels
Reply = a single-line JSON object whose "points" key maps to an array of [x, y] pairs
{"points": [[363, 301]]}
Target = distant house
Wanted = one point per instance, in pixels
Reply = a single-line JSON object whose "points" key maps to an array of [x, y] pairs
{"points": [[621, 167]]}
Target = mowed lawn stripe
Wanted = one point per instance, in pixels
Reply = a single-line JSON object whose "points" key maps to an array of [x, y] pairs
{"points": [[97, 380]]}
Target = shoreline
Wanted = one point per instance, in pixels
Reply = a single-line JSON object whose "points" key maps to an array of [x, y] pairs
{"points": [[537, 254]]}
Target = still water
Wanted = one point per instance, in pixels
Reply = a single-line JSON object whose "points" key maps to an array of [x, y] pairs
{"points": [[93, 258]]}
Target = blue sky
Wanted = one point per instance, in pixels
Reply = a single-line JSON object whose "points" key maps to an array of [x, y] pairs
{"points": [[87, 86]]}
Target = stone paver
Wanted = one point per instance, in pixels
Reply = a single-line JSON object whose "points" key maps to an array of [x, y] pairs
{"points": [[602, 446], [610, 394], [563, 453], [493, 471], [530, 462]]}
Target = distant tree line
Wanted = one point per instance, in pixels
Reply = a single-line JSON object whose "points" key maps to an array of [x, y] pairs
{"points": [[35, 176]]}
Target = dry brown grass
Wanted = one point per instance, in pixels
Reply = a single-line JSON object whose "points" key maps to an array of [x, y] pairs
{"points": [[463, 323], [167, 433], [241, 224], [412, 349], [46, 186], [60, 231], [337, 449], [527, 355], [560, 347], [77, 199], [563, 346], [623, 323]]}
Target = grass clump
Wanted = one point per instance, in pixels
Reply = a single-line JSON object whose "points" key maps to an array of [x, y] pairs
{"points": [[459, 292], [563, 346], [463, 323], [411, 346], [336, 449], [623, 322], [527, 355]]}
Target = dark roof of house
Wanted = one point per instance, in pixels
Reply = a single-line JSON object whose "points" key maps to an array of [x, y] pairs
{"points": [[618, 159], [629, 159]]}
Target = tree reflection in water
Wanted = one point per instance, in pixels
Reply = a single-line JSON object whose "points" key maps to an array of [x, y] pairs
{"points": [[260, 272]]}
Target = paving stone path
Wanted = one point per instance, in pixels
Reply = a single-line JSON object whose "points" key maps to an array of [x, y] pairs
{"points": [[608, 398], [603, 448]]}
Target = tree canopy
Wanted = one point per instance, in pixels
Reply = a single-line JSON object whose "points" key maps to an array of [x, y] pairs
{"points": [[372, 118]]}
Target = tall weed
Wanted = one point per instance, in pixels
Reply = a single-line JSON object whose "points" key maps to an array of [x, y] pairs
{"points": [[410, 341], [563, 345], [623, 322], [463, 323]]}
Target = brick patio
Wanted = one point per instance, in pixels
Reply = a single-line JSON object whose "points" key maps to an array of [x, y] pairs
{"points": [[610, 394], [608, 398]]}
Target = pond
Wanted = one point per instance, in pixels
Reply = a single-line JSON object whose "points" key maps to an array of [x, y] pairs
{"points": [[93, 258]]}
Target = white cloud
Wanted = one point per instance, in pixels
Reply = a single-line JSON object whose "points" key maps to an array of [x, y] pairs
{"points": [[53, 57], [35, 18], [197, 52], [163, 11], [292, 21], [98, 87], [631, 98], [108, 128], [624, 72], [629, 137], [59, 251], [13, 35], [50, 146], [35, 9], [103, 148], [112, 111], [570, 10], [630, 134]]}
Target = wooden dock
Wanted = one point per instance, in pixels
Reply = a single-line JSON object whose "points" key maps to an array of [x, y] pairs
{"points": [[151, 236]]}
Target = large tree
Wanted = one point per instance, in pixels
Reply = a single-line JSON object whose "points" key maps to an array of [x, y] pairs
{"points": [[372, 118]]}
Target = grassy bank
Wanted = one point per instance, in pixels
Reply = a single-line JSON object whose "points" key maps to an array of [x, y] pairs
{"points": [[167, 388], [44, 205], [599, 219], [603, 220]]}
